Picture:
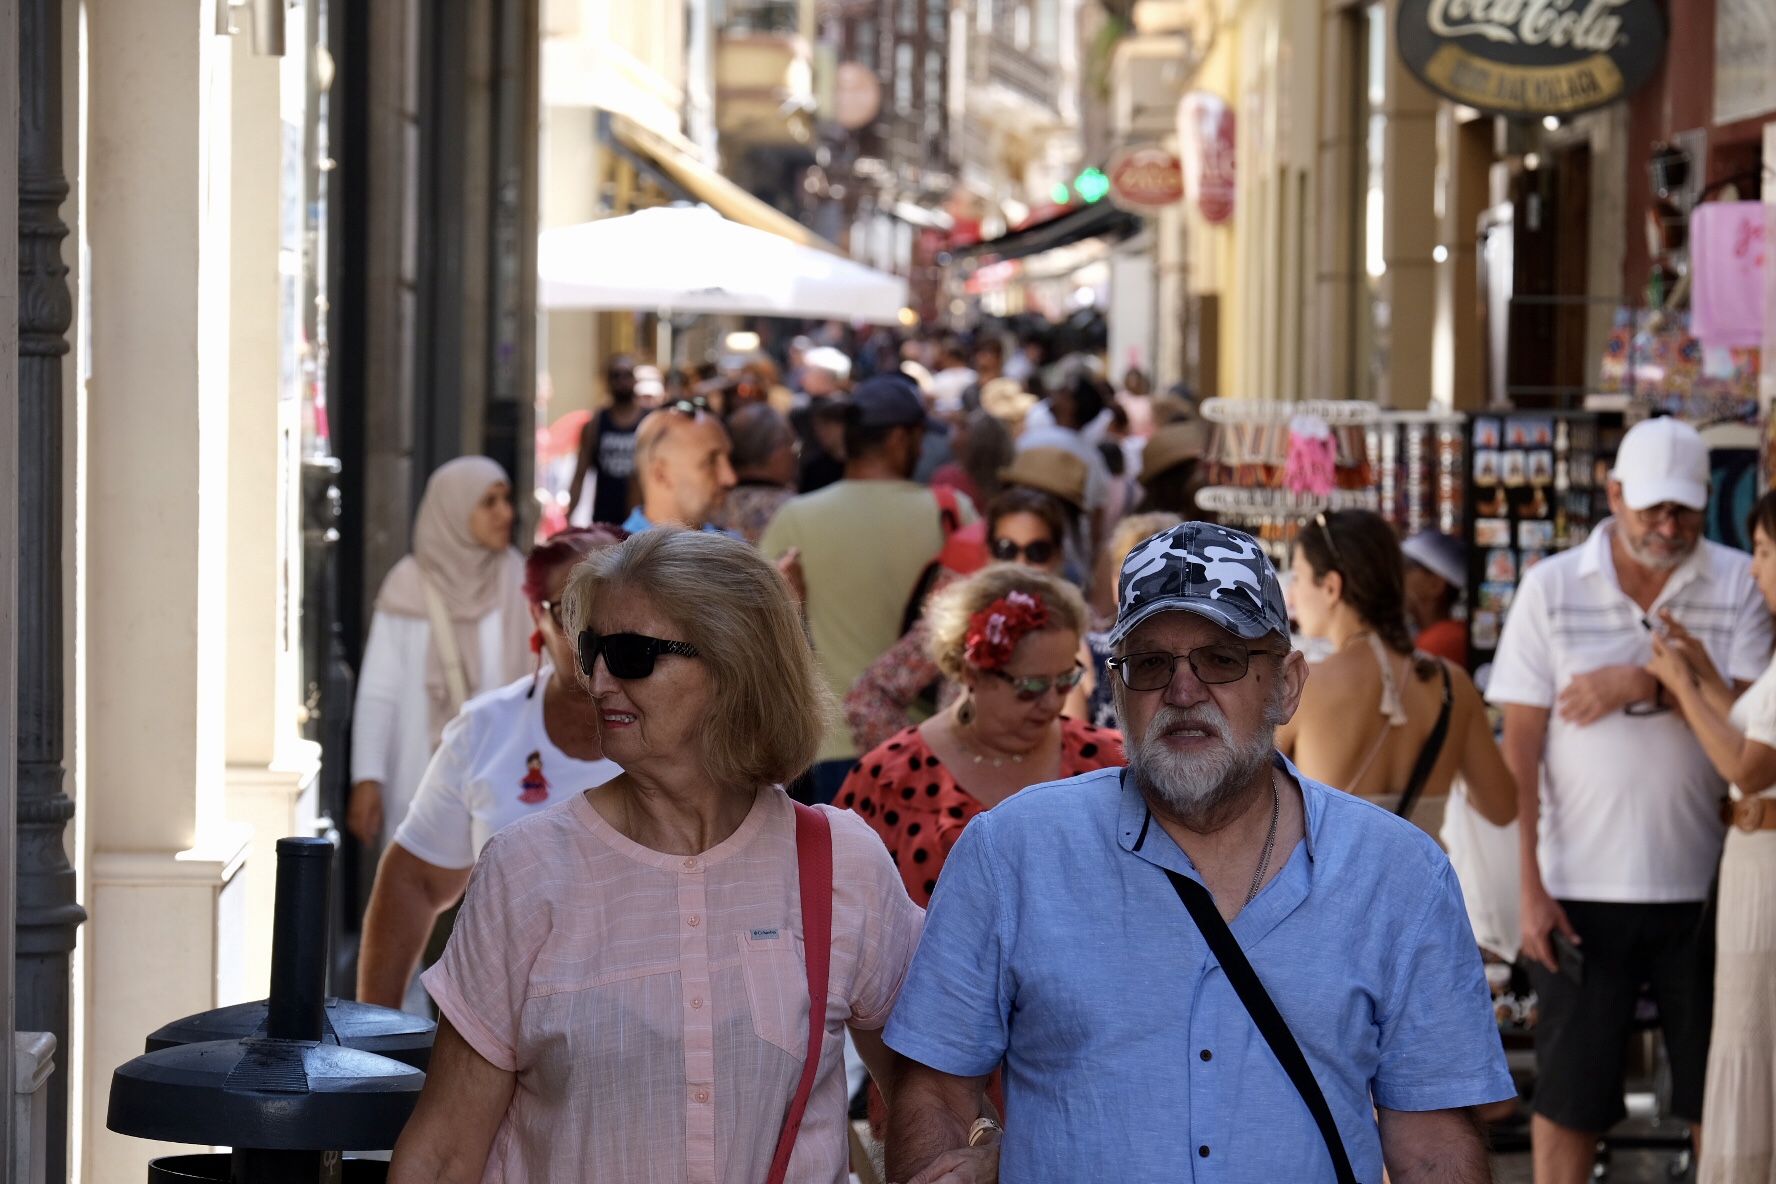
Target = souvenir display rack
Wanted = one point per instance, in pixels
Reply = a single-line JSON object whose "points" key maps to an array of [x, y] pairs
{"points": [[1246, 466], [1535, 486], [1421, 467]]}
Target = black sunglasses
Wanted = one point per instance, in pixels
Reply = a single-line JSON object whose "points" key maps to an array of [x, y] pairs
{"points": [[1032, 689], [1213, 665], [627, 656], [1038, 552]]}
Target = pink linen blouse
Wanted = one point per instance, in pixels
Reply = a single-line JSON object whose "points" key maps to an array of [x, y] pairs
{"points": [[655, 1007]]}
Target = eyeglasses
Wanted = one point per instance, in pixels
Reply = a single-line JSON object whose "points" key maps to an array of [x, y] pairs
{"points": [[627, 656], [1032, 689], [1038, 552], [553, 608], [1686, 517], [1213, 665], [693, 406], [1331, 543]]}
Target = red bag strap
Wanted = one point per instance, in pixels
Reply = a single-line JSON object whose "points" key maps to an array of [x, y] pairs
{"points": [[814, 871], [949, 509]]}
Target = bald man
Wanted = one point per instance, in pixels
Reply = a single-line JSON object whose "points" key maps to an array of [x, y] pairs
{"points": [[683, 468]]}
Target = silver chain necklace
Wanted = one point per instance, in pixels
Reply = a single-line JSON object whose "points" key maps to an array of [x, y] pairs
{"points": [[1276, 807]]}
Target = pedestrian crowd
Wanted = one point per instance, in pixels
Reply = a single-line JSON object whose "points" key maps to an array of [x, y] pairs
{"points": [[917, 744]]}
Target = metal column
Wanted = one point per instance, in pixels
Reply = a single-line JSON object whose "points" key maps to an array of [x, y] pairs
{"points": [[47, 915]]}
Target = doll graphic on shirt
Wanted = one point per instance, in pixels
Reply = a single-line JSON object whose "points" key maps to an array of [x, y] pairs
{"points": [[534, 785]]}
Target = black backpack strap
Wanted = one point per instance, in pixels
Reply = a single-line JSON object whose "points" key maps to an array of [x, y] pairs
{"points": [[1433, 748], [1263, 1009]]}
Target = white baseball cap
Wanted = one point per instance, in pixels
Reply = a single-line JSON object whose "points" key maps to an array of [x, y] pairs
{"points": [[1662, 460]]}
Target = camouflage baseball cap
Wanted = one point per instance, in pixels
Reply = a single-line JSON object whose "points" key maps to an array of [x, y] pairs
{"points": [[1197, 567]]}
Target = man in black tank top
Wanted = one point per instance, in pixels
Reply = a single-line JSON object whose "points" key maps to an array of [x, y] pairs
{"points": [[607, 447]]}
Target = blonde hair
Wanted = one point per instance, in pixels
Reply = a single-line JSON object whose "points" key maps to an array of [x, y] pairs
{"points": [[1128, 535], [771, 705], [1132, 531], [948, 613]]}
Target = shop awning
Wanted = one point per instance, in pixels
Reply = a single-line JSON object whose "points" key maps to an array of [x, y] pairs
{"points": [[1098, 220], [686, 259], [696, 181]]}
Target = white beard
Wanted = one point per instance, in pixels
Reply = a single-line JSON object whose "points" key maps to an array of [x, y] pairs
{"points": [[1198, 785]]}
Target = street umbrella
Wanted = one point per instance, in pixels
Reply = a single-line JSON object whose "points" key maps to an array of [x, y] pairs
{"points": [[689, 259]]}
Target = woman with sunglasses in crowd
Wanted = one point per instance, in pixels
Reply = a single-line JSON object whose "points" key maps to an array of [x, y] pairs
{"points": [[510, 753], [627, 995], [1022, 526], [1009, 637], [1378, 718]]}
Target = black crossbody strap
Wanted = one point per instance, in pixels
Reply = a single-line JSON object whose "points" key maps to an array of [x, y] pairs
{"points": [[1433, 748], [1264, 1013]]}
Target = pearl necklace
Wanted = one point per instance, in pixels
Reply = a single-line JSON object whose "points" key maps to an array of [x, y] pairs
{"points": [[1016, 758]]}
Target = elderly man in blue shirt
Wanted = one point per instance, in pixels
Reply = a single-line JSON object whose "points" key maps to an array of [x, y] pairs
{"points": [[1060, 946]]}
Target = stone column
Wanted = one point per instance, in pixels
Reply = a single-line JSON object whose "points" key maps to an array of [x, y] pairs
{"points": [[164, 863], [47, 915], [272, 773], [1410, 234]]}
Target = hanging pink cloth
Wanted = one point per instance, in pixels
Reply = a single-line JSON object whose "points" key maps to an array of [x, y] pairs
{"points": [[1728, 246]]}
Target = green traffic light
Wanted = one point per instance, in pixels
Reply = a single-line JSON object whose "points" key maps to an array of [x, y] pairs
{"points": [[1091, 185]]}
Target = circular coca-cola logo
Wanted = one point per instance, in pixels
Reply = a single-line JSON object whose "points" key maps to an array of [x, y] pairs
{"points": [[1530, 58], [1146, 178]]}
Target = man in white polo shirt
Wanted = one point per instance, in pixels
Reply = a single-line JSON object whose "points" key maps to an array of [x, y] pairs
{"points": [[1620, 808]]}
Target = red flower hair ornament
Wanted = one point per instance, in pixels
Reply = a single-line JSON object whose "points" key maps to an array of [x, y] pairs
{"points": [[994, 631]]}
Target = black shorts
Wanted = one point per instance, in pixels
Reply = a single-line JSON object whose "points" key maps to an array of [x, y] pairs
{"points": [[1581, 1035]]}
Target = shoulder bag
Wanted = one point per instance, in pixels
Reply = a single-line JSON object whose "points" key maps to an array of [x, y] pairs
{"points": [[814, 872], [1263, 1010]]}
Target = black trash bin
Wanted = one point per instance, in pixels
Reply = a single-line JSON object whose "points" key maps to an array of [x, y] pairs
{"points": [[290, 1082]]}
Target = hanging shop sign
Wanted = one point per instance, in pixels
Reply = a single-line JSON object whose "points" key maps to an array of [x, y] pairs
{"points": [[1146, 178], [1531, 58], [1206, 133]]}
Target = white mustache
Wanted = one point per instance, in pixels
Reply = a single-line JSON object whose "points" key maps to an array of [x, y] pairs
{"points": [[1206, 717]]}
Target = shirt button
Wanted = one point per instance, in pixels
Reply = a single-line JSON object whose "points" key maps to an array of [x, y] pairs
{"points": [[697, 1004], [690, 865], [1203, 1151], [695, 921], [1206, 1055], [703, 1096]]}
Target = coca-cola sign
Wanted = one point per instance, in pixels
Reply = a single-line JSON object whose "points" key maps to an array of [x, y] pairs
{"points": [[1530, 58], [1145, 179]]}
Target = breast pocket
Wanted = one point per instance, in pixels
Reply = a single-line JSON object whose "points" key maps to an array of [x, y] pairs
{"points": [[777, 988]]}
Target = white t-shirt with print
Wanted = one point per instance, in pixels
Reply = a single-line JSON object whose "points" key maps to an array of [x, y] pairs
{"points": [[496, 764], [1630, 805]]}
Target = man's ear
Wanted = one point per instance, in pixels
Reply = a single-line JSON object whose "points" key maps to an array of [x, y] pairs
{"points": [[1292, 681]]}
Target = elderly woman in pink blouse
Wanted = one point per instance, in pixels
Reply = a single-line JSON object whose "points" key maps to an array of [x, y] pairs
{"points": [[626, 996]]}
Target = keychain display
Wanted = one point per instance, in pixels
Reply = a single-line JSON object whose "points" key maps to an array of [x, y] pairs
{"points": [[1421, 471]]}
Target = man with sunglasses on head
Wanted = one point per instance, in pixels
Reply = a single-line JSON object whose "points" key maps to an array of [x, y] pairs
{"points": [[683, 466], [1619, 806], [1070, 940]]}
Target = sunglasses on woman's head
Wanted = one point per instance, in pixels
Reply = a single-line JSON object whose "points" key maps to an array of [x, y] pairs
{"points": [[693, 406], [1038, 552], [1032, 689], [627, 656]]}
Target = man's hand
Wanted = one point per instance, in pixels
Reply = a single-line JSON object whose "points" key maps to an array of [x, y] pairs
{"points": [[1543, 917], [1590, 697], [363, 814], [968, 1165]]}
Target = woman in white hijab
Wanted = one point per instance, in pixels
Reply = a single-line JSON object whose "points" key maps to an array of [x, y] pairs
{"points": [[451, 623]]}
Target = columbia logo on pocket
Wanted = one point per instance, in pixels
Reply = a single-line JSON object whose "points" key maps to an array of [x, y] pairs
{"points": [[764, 935]]}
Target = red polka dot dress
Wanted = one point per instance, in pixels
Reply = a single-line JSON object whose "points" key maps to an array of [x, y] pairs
{"points": [[915, 804]]}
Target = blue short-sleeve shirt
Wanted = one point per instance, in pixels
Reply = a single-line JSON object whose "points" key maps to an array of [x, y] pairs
{"points": [[1056, 945]]}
